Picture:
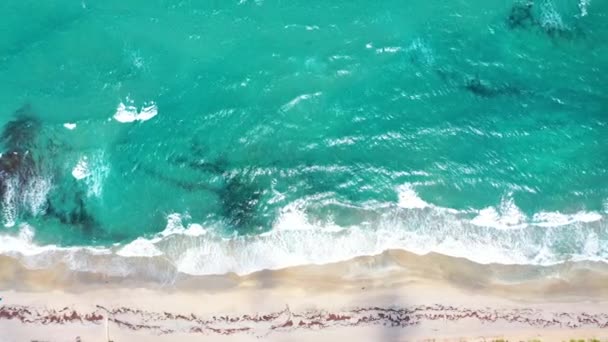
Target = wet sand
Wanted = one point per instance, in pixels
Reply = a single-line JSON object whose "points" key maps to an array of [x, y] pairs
{"points": [[395, 296]]}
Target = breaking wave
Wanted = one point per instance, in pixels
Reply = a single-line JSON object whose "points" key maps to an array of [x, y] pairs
{"points": [[501, 234]]}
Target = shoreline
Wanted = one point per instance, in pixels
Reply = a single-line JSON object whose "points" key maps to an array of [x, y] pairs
{"points": [[392, 296]]}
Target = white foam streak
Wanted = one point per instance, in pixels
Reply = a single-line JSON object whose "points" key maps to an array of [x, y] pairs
{"points": [[288, 106], [35, 194], [389, 49], [30, 197], [9, 203], [555, 219], [509, 216]]}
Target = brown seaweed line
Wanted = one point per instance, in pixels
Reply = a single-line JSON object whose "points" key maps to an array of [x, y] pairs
{"points": [[286, 320]]}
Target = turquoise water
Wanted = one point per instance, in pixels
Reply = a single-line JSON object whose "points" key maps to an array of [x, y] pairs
{"points": [[474, 128]]}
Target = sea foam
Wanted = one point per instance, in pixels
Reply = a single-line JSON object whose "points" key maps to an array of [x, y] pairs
{"points": [[493, 235]]}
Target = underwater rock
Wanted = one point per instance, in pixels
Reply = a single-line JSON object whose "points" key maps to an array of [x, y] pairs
{"points": [[521, 15]]}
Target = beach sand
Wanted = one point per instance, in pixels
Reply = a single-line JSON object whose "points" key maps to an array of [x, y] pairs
{"points": [[394, 296]]}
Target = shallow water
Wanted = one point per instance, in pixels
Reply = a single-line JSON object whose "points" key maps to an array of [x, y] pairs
{"points": [[234, 136]]}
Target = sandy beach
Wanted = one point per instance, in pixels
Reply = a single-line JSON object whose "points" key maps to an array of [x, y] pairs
{"points": [[283, 170], [395, 296]]}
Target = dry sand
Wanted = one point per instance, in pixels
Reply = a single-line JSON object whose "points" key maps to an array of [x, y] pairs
{"points": [[395, 296]]}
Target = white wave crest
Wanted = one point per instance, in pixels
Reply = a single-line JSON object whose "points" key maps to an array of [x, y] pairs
{"points": [[408, 198], [69, 125], [583, 5], [129, 113], [139, 248], [297, 238], [23, 244], [506, 216], [509, 216]]}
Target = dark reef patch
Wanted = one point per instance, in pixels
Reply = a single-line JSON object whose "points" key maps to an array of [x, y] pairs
{"points": [[17, 165], [69, 207], [521, 15], [238, 197], [24, 161], [240, 201], [482, 89], [527, 15]]}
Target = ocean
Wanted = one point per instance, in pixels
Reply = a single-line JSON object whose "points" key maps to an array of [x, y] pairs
{"points": [[207, 137]]}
